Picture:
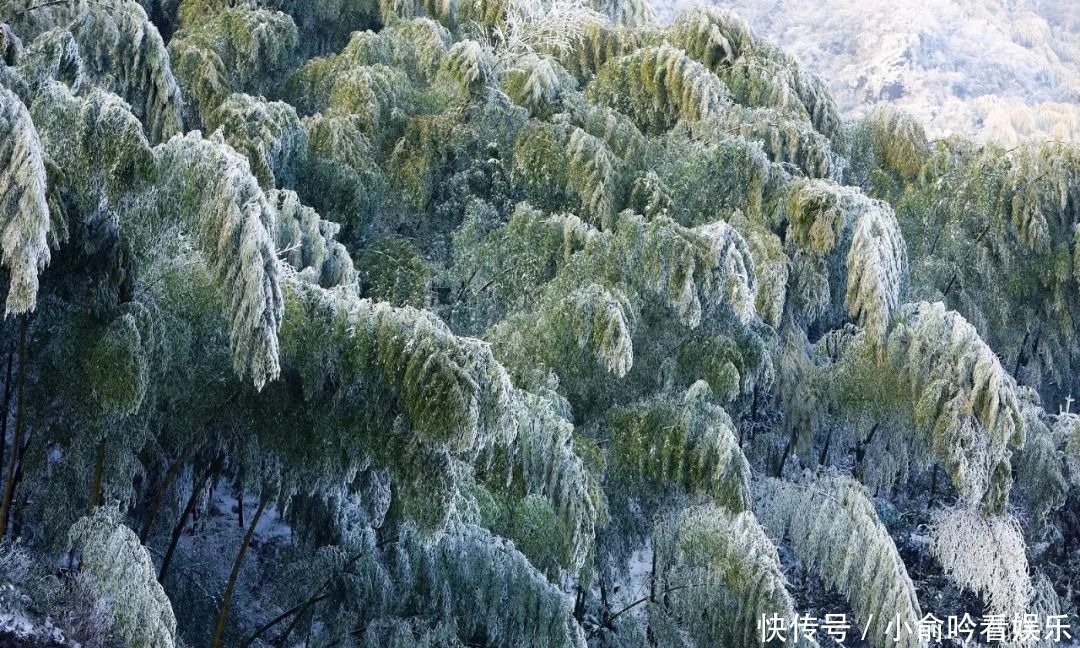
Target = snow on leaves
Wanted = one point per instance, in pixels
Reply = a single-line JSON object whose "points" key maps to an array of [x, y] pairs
{"points": [[24, 217], [233, 225], [123, 572]]}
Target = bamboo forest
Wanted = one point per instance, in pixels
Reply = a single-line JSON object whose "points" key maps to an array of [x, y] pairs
{"points": [[514, 324]]}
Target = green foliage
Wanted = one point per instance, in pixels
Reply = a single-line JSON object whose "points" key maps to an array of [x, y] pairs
{"points": [[598, 44], [338, 86], [557, 161], [962, 396], [815, 221], [97, 141], [877, 268], [789, 141], [992, 232], [455, 395], [468, 64], [52, 56], [1040, 464], [238, 49], [758, 74], [692, 444], [119, 48], [233, 225], [341, 179], [393, 271], [268, 134], [505, 309], [657, 86], [691, 271], [476, 574], [890, 140], [117, 367], [537, 84], [712, 36]]}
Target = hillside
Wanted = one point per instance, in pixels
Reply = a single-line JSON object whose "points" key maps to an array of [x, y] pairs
{"points": [[1002, 70]]}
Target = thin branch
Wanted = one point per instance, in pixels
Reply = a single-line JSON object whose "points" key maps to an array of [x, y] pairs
{"points": [[627, 608]]}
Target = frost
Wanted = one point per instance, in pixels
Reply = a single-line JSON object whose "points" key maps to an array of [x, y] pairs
{"points": [[877, 268], [233, 225], [1001, 71], [306, 242], [658, 86], [122, 50], [268, 133], [692, 444], [25, 223], [122, 570], [835, 530], [985, 555], [722, 562], [962, 398]]}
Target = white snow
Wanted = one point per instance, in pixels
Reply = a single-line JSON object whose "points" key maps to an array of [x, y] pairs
{"points": [[18, 625]]}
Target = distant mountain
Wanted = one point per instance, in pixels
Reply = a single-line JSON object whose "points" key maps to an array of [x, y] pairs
{"points": [[997, 69]]}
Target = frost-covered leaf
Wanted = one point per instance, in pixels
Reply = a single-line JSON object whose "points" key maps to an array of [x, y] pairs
{"points": [[122, 571], [121, 50], [984, 554], [658, 86], [962, 397], [232, 224], [24, 218], [307, 242], [692, 444], [834, 529], [720, 573]]}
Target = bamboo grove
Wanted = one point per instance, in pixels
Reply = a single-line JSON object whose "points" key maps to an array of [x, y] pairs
{"points": [[511, 323]]}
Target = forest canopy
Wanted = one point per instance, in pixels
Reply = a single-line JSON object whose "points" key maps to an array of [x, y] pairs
{"points": [[511, 323]]}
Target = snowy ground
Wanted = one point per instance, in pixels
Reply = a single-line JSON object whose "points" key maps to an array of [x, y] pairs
{"points": [[17, 629], [1001, 69], [217, 531]]}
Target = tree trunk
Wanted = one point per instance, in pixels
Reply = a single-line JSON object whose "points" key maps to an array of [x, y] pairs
{"points": [[784, 457], [16, 442], [5, 408], [159, 498], [860, 452], [297, 610], [223, 614], [579, 603], [178, 530], [1020, 355], [19, 503], [825, 450], [281, 641], [99, 469], [933, 486]]}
